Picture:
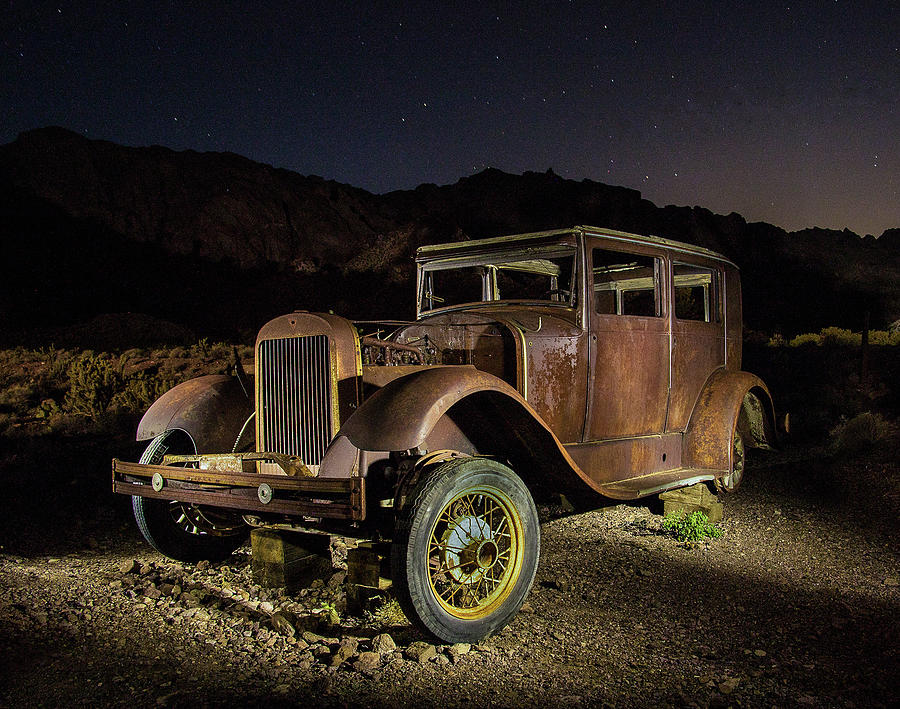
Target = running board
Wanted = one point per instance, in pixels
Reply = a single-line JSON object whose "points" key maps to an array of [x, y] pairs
{"points": [[655, 483]]}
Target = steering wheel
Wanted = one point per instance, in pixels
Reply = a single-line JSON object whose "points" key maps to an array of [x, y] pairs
{"points": [[557, 291]]}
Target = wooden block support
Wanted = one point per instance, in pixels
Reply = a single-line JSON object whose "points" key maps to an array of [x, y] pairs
{"points": [[691, 499], [368, 572], [291, 559]]}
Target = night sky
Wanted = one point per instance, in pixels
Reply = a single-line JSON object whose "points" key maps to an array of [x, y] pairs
{"points": [[785, 112]]}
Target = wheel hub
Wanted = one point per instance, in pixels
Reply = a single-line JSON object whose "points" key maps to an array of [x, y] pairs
{"points": [[467, 549]]}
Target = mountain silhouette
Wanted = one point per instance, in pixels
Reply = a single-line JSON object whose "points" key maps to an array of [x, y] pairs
{"points": [[219, 243]]}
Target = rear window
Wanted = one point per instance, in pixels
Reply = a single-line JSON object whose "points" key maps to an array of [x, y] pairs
{"points": [[696, 293], [626, 284]]}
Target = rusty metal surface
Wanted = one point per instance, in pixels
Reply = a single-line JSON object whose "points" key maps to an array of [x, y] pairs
{"points": [[345, 344], [301, 496], [556, 235], [619, 459], [234, 462], [567, 391], [414, 404], [246, 503], [212, 477], [212, 409], [708, 439]]}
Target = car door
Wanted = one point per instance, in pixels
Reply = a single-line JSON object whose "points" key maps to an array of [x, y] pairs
{"points": [[629, 381], [698, 333]]}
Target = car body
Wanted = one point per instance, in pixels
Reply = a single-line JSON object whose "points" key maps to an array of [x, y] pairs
{"points": [[583, 361]]}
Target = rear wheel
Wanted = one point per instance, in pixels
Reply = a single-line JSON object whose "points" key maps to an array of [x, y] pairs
{"points": [[466, 549], [181, 530], [731, 481]]}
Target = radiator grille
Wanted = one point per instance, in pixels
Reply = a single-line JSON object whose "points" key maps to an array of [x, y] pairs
{"points": [[295, 396]]}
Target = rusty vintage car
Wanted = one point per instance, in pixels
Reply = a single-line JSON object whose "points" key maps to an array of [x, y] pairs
{"points": [[584, 361]]}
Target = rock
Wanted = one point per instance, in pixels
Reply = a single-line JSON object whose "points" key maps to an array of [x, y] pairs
{"points": [[458, 649], [321, 651], [367, 662], [421, 652], [337, 579], [729, 685], [146, 569], [167, 699], [284, 622], [383, 644], [130, 566], [345, 651]]}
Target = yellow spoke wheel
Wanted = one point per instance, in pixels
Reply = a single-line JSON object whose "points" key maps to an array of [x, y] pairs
{"points": [[475, 552], [466, 549]]}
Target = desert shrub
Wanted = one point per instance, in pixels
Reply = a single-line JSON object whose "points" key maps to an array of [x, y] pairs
{"points": [[690, 528], [47, 409], [140, 390], [16, 398], [840, 336], [858, 433], [201, 349], [93, 383], [807, 338], [884, 338], [836, 337], [387, 612]]}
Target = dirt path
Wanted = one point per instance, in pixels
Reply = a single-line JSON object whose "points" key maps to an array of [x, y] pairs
{"points": [[796, 605]]}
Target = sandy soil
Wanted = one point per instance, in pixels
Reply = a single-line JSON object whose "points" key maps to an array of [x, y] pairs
{"points": [[797, 604]]}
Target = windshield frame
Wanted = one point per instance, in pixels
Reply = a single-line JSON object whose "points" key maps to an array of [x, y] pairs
{"points": [[495, 261]]}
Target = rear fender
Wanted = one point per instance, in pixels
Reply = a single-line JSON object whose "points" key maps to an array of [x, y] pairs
{"points": [[212, 409], [729, 401]]}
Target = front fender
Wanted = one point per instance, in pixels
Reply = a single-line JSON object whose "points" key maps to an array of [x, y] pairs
{"points": [[726, 394], [212, 409], [401, 414], [463, 408]]}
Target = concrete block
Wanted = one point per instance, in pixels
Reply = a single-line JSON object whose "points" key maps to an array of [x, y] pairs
{"points": [[368, 572], [691, 499], [291, 559]]}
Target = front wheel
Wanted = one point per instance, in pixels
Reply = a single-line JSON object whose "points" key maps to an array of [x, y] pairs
{"points": [[466, 549], [181, 530]]}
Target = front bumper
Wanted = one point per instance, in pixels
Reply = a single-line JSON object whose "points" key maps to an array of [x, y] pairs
{"points": [[327, 498]]}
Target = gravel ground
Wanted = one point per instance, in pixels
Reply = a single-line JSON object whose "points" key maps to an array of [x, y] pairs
{"points": [[795, 605]]}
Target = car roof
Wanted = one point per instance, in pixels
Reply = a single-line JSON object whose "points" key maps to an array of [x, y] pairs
{"points": [[436, 251]]}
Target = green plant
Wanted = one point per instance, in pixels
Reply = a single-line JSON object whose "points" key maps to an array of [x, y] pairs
{"points": [[140, 390], [389, 613], [93, 383], [807, 338], [858, 433], [328, 613], [690, 528]]}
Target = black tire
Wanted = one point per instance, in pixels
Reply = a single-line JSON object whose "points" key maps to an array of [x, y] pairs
{"points": [[465, 550], [180, 530]]}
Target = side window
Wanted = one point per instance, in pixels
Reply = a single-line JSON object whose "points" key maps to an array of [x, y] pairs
{"points": [[696, 293], [626, 284]]}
